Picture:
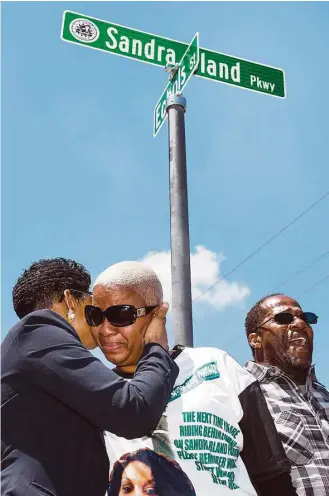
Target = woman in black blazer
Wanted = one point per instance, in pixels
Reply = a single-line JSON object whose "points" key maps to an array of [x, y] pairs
{"points": [[57, 398]]}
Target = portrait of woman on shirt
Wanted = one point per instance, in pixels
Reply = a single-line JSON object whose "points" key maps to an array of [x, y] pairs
{"points": [[147, 473]]}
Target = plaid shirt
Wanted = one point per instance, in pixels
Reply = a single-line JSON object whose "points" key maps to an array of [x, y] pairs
{"points": [[301, 416]]}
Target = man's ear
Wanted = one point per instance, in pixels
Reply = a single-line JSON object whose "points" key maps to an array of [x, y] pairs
{"points": [[255, 340]]}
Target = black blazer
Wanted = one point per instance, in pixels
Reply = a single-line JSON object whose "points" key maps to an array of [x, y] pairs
{"points": [[56, 399]]}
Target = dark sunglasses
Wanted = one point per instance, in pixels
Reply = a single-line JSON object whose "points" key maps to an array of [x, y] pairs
{"points": [[286, 318], [117, 315]]}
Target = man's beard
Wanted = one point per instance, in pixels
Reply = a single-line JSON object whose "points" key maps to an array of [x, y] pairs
{"points": [[281, 355], [296, 362]]}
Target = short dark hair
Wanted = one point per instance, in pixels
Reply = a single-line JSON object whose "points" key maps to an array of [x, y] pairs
{"points": [[168, 476], [256, 315], [44, 283]]}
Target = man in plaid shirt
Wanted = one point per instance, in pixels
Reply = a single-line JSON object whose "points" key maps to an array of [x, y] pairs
{"points": [[281, 338]]}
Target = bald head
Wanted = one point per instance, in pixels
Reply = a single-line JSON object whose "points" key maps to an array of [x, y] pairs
{"points": [[132, 276]]}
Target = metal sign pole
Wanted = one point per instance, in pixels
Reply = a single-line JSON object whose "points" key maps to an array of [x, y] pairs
{"points": [[179, 225]]}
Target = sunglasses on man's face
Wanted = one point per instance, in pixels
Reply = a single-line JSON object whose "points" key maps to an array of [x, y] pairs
{"points": [[286, 318], [117, 315]]}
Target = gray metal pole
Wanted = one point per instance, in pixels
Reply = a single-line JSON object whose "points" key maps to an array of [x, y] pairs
{"points": [[179, 225]]}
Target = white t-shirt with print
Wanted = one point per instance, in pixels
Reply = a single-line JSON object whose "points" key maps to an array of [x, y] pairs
{"points": [[200, 427]]}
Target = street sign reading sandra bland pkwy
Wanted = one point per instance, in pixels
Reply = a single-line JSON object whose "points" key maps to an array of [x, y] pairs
{"points": [[177, 83], [156, 50]]}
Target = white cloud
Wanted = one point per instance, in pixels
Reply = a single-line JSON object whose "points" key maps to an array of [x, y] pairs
{"points": [[205, 271]]}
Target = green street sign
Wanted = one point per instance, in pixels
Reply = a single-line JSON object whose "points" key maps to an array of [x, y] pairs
{"points": [[177, 83], [152, 49]]}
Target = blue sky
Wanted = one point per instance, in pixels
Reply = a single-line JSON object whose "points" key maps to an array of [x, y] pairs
{"points": [[82, 176]]}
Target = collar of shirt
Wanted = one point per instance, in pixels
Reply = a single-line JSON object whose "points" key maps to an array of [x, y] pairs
{"points": [[260, 372]]}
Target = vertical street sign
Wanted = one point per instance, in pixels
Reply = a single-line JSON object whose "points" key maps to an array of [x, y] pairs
{"points": [[180, 77]]}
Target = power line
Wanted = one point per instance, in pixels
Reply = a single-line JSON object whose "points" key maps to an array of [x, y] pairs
{"points": [[233, 336], [286, 280], [300, 271], [263, 245], [314, 285]]}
